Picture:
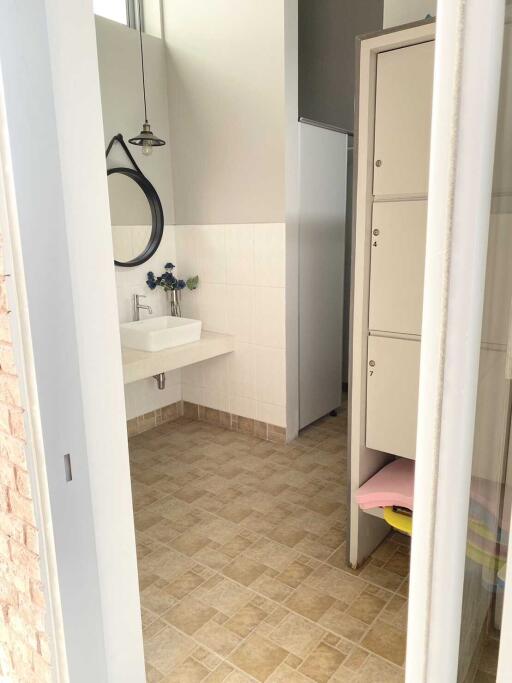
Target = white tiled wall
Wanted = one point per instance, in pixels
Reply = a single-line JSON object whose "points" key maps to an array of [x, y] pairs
{"points": [[131, 281], [242, 292], [144, 396], [242, 276]]}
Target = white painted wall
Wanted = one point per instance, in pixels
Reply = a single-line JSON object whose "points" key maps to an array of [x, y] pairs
{"points": [[122, 104], [121, 94], [241, 292], [226, 103], [397, 12]]}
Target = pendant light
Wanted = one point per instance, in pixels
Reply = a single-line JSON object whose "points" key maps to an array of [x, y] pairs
{"points": [[146, 138]]}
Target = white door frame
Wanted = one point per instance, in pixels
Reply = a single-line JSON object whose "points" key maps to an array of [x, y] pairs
{"points": [[34, 446], [465, 103], [48, 59]]}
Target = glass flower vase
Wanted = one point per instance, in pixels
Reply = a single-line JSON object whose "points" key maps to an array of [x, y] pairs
{"points": [[173, 299]]}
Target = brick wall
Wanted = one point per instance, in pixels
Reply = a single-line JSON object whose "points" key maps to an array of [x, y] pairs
{"points": [[24, 652]]}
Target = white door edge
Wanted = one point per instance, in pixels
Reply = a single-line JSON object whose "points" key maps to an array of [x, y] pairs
{"points": [[22, 346], [465, 101]]}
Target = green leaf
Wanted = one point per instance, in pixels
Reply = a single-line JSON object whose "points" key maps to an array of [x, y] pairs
{"points": [[193, 282]]}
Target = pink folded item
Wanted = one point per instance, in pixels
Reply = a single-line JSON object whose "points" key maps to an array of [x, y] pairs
{"points": [[392, 485]]}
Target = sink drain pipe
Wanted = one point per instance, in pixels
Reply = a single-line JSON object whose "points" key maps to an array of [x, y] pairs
{"points": [[160, 380]]}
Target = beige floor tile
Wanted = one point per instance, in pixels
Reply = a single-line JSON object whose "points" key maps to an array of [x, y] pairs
{"points": [[153, 629], [271, 554], [213, 558], [156, 599], [188, 672], [309, 602], [168, 649], [152, 675], [322, 663], [236, 545], [386, 641], [375, 670], [366, 607], [343, 624], [217, 638], [356, 659], [189, 615], [399, 563], [239, 677], [339, 558], [339, 584], [271, 588], [245, 620], [164, 563], [288, 535], [225, 596], [189, 543], [258, 657], [244, 570], [294, 574], [285, 674], [297, 635], [241, 543], [220, 674], [381, 577]]}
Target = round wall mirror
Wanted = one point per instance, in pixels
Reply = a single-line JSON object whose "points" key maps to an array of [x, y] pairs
{"points": [[136, 216]]}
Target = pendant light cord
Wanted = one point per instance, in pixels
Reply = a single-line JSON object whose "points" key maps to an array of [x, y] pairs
{"points": [[142, 61]]}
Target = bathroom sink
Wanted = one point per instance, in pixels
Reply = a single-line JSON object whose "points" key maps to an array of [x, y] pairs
{"points": [[156, 334]]}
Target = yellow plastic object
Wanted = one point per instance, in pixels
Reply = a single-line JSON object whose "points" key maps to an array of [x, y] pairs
{"points": [[398, 521]]}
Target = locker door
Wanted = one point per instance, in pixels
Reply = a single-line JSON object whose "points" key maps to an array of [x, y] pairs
{"points": [[397, 266], [402, 120], [392, 395]]}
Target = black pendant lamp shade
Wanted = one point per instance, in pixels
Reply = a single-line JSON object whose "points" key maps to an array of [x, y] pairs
{"points": [[146, 138]]}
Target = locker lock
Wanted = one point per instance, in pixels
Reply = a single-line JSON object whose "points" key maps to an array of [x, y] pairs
{"points": [[376, 232], [378, 163], [372, 363]]}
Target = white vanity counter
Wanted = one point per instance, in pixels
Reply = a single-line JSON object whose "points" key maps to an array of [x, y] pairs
{"points": [[142, 364]]}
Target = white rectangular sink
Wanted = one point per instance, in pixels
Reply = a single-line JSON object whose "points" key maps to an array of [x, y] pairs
{"points": [[163, 332]]}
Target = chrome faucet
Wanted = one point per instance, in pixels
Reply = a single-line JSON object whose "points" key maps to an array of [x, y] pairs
{"points": [[137, 306]]}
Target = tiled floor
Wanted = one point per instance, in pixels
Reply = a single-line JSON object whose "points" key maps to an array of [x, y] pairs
{"points": [[241, 548]]}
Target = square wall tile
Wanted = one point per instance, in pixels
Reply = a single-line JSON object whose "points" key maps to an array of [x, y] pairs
{"points": [[213, 307], [191, 303], [269, 254], [269, 317], [272, 414], [215, 399], [240, 312], [186, 250], [192, 394], [210, 257], [240, 254], [245, 407], [215, 373], [193, 374], [242, 378], [270, 375]]}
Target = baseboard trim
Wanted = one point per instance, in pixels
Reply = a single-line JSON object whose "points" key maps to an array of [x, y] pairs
{"points": [[143, 423], [194, 411]]}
